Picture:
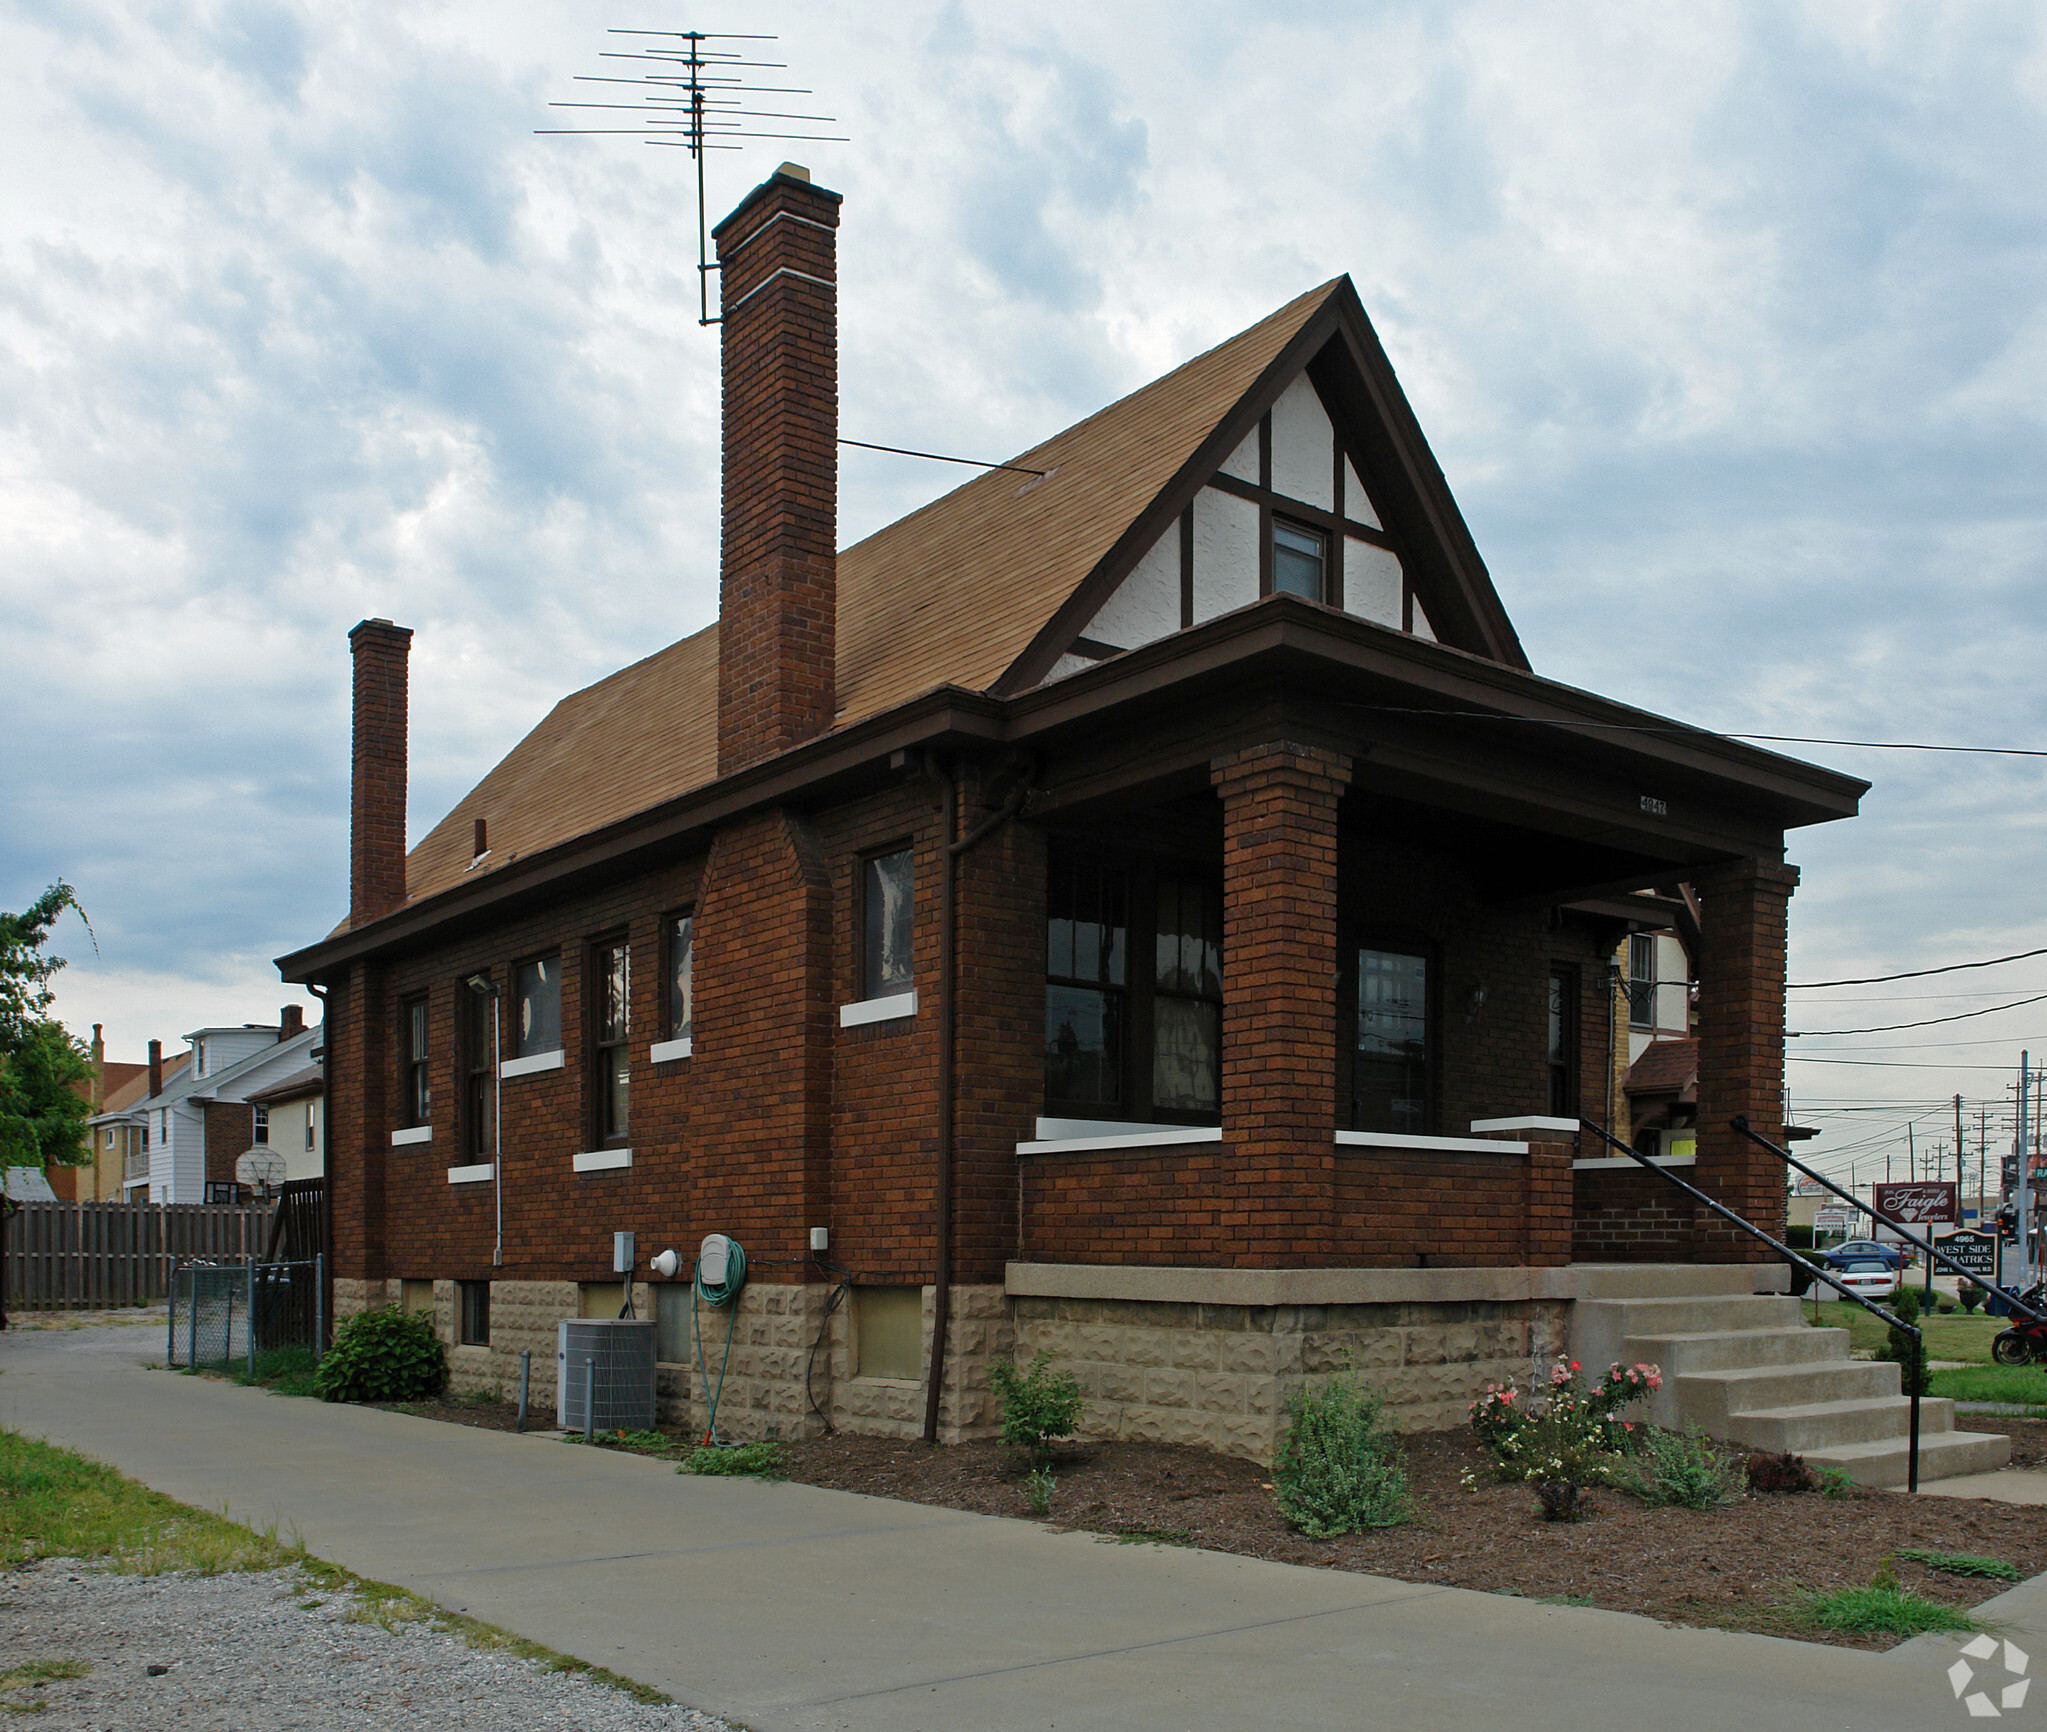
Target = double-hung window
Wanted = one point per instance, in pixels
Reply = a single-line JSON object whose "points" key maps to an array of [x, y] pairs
{"points": [[1641, 981], [417, 1079], [259, 1127], [610, 994], [1300, 560], [1133, 991], [1563, 1041], [1390, 1065], [537, 1007], [479, 1075], [888, 907], [681, 975]]}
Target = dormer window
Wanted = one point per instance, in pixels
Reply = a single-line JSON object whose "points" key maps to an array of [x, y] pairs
{"points": [[198, 1058], [1299, 561]]}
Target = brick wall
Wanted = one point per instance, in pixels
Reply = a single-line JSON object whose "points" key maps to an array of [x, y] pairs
{"points": [[1627, 1215], [777, 607], [230, 1129]]}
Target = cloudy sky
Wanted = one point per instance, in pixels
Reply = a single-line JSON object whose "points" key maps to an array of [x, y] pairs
{"points": [[1728, 323]]}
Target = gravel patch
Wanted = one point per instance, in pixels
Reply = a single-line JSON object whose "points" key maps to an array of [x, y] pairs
{"points": [[255, 1653]]}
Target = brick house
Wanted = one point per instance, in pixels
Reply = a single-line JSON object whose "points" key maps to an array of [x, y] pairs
{"points": [[1142, 906]]}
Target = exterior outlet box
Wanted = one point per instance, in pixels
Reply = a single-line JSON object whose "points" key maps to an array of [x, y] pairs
{"points": [[820, 1239], [621, 1253]]}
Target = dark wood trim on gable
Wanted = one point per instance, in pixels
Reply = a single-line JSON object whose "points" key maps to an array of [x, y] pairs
{"points": [[1287, 506], [1186, 566]]}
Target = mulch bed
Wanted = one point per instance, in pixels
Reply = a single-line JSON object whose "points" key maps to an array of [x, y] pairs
{"points": [[1737, 1568]]}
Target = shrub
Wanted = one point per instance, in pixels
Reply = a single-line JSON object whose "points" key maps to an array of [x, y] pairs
{"points": [[1780, 1473], [1575, 1438], [384, 1355], [763, 1460], [1683, 1468], [1970, 1295], [1836, 1483], [1900, 1347], [1340, 1469], [1039, 1405]]}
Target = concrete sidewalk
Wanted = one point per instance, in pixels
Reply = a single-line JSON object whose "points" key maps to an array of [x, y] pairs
{"points": [[784, 1606]]}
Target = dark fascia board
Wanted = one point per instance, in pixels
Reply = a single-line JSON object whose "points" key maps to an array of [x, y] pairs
{"points": [[1639, 913], [1439, 677], [947, 714], [1429, 526]]}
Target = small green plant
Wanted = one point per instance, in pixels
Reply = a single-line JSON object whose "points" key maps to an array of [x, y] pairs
{"points": [[1961, 1564], [1901, 1349], [1836, 1483], [1883, 1608], [284, 1371], [639, 1442], [763, 1460], [1683, 1468], [1340, 1469], [1038, 1488], [1785, 1472], [1970, 1295], [1039, 1405], [384, 1355]]}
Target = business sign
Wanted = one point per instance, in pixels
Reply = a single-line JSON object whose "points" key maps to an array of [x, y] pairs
{"points": [[1976, 1252], [1833, 1221], [1918, 1203]]}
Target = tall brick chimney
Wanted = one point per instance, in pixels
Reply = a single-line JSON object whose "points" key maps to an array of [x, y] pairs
{"points": [[155, 1068], [376, 804], [291, 1020], [778, 586]]}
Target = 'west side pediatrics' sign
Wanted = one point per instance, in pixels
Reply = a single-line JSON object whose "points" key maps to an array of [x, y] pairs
{"points": [[1920, 1203]]}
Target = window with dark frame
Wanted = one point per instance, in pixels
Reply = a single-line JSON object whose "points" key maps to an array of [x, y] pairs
{"points": [[1563, 1041], [887, 885], [259, 1124], [1642, 980], [311, 1108], [412, 1034], [1133, 991], [537, 1007], [681, 968], [479, 1076], [1391, 1064], [1300, 560], [475, 1313], [610, 992]]}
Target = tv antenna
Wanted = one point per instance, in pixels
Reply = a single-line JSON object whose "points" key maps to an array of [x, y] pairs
{"points": [[699, 101]]}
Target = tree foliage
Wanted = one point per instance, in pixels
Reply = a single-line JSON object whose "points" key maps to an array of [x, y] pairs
{"points": [[42, 1115]]}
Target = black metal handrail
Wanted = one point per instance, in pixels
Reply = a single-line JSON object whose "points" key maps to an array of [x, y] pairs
{"points": [[1933, 1253], [1918, 1366]]}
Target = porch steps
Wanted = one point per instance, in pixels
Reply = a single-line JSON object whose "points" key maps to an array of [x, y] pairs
{"points": [[1745, 1368]]}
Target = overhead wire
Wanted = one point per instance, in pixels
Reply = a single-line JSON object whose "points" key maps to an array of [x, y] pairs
{"points": [[1929, 1022]]}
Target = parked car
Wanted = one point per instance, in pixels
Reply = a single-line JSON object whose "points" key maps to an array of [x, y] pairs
{"points": [[1868, 1251], [1871, 1279]]}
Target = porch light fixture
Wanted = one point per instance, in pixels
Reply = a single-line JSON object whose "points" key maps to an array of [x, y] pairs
{"points": [[484, 987]]}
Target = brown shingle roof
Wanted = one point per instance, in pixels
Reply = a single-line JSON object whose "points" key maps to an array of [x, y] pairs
{"points": [[1666, 1067], [950, 595]]}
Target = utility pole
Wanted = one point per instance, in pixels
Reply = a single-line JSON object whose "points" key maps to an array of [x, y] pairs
{"points": [[2025, 1187]]}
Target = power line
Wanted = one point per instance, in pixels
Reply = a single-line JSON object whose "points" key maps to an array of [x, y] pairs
{"points": [[1892, 1027], [940, 457], [1913, 973], [1897, 1063], [1646, 728]]}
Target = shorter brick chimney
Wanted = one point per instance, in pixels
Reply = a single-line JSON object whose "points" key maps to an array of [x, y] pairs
{"points": [[291, 1020], [155, 1068], [778, 583], [376, 805]]}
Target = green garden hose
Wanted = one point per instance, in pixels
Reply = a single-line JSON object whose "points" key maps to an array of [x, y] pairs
{"points": [[717, 1295]]}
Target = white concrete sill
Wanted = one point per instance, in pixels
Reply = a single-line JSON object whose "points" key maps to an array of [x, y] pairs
{"points": [[481, 1174], [866, 1010], [1430, 1145], [531, 1064], [602, 1160], [663, 1051], [1527, 1122], [1139, 1140], [1616, 1162], [412, 1134]]}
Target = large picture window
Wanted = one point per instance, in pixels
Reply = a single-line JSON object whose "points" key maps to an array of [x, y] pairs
{"points": [[611, 1026], [1133, 991], [412, 1035], [887, 905], [1390, 1069], [537, 1007]]}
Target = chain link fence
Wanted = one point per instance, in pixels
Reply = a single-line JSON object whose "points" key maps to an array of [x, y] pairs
{"points": [[224, 1316]]}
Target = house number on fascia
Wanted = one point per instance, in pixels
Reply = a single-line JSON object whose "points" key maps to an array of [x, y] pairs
{"points": [[1654, 807]]}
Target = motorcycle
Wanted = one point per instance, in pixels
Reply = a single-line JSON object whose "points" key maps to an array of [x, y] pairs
{"points": [[2025, 1342]]}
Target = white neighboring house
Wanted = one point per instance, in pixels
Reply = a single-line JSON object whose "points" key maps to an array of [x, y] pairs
{"points": [[208, 1106]]}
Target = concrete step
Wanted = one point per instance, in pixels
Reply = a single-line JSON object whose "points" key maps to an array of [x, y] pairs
{"points": [[1736, 1349], [1942, 1455], [1601, 1328], [1660, 1280], [1827, 1425], [1718, 1400]]}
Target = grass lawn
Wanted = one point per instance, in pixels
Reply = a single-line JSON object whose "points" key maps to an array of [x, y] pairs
{"points": [[1956, 1336], [2023, 1385]]}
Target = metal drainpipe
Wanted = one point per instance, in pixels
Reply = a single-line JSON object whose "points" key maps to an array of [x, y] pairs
{"points": [[949, 804], [326, 1271]]}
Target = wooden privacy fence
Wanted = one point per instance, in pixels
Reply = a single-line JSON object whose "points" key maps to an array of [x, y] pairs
{"points": [[88, 1255]]}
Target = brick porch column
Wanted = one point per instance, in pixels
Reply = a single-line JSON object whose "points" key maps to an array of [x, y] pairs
{"points": [[1279, 1000], [1742, 920]]}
